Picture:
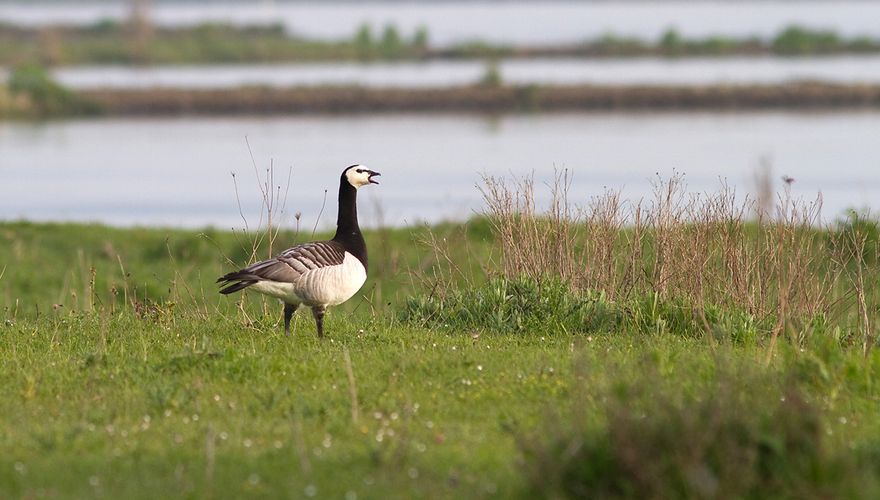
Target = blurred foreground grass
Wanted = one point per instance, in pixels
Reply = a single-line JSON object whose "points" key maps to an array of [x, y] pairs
{"points": [[125, 375]]}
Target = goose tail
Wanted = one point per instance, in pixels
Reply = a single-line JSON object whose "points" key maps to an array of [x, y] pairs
{"points": [[235, 281]]}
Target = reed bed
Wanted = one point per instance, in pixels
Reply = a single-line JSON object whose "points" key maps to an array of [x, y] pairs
{"points": [[778, 262]]}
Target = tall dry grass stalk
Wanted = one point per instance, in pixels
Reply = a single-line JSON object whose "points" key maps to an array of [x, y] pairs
{"points": [[780, 264], [515, 220], [273, 203]]}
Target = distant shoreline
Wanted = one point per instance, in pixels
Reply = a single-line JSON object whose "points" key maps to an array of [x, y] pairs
{"points": [[491, 99], [138, 40]]}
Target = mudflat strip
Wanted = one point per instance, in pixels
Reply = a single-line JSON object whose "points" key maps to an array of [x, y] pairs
{"points": [[304, 100]]}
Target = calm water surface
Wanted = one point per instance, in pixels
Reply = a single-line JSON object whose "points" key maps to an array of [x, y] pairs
{"points": [[177, 172], [688, 71], [532, 23]]}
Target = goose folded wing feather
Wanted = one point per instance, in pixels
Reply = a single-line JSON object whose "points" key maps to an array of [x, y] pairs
{"points": [[292, 263]]}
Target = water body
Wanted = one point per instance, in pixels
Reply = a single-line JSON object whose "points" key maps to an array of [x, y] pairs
{"points": [[523, 23], [687, 71], [177, 172]]}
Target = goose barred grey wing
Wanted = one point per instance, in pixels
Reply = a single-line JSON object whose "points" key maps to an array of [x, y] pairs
{"points": [[287, 267]]}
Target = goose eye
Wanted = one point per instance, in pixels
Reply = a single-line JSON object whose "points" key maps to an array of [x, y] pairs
{"points": [[360, 170]]}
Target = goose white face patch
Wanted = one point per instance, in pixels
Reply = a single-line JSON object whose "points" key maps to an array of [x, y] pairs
{"points": [[358, 175]]}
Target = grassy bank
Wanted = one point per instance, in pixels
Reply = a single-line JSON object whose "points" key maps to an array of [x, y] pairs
{"points": [[672, 349], [138, 42], [30, 92]]}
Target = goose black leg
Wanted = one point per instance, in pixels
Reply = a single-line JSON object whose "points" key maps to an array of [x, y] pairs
{"points": [[289, 309], [318, 313]]}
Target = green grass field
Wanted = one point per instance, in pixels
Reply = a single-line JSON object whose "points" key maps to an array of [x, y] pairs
{"points": [[125, 375]]}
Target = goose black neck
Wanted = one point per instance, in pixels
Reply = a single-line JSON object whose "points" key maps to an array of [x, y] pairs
{"points": [[348, 232]]}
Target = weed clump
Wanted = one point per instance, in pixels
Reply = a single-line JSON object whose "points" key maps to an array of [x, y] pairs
{"points": [[514, 305], [526, 305], [36, 93]]}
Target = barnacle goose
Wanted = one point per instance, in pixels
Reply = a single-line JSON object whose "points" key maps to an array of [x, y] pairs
{"points": [[317, 274]]}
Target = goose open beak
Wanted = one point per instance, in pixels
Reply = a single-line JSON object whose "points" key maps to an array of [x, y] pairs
{"points": [[373, 174]]}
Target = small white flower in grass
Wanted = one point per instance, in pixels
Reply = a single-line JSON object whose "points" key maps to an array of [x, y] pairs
{"points": [[247, 443], [167, 413], [327, 441], [479, 368], [195, 417], [278, 444], [413, 473], [20, 468], [842, 420], [95, 481], [394, 415], [216, 397], [310, 490], [223, 436]]}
